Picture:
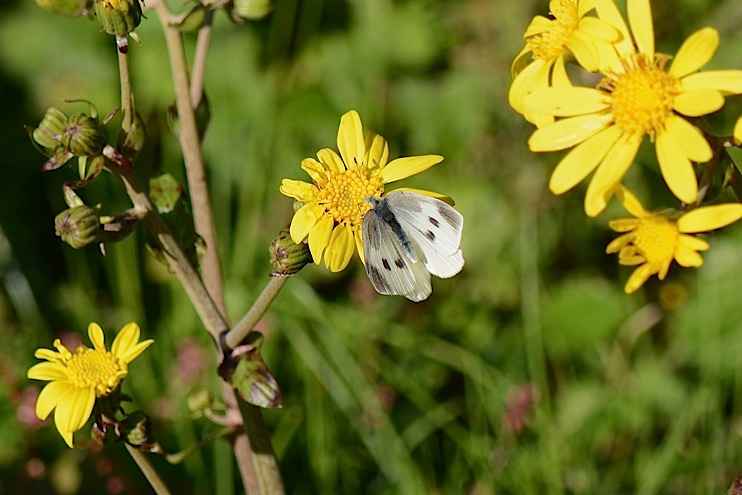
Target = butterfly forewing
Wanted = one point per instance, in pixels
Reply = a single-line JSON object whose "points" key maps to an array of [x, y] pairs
{"points": [[434, 227], [390, 270]]}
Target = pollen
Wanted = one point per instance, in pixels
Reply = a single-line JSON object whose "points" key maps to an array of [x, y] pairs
{"points": [[550, 44], [96, 369], [344, 194], [642, 96], [656, 238]]}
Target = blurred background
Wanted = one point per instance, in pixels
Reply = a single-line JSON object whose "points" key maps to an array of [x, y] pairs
{"points": [[531, 372]]}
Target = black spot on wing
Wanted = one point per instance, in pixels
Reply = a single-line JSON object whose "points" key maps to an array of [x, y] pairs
{"points": [[386, 264], [399, 262], [434, 222], [430, 235], [449, 215]]}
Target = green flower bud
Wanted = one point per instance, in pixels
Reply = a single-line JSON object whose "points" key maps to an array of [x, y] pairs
{"points": [[78, 226], [49, 132], [136, 429], [286, 256], [118, 17], [252, 9], [83, 135], [131, 141], [72, 8]]}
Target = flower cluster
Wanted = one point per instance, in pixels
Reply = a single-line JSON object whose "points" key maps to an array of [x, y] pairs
{"points": [[640, 94]]}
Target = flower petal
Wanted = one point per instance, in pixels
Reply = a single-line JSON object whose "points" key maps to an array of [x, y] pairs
{"points": [[127, 338], [697, 102], [432, 194], [340, 249], [48, 354], [299, 190], [688, 258], [316, 170], [630, 202], [582, 160], [689, 139], [695, 52], [638, 278], [350, 140], [726, 81], [676, 168], [639, 13], [377, 151], [692, 242], [568, 132], [608, 11], [738, 132], [304, 220], [72, 413], [358, 238], [96, 337], [332, 160], [623, 224], [618, 243], [319, 237], [534, 77], [401, 168], [568, 102], [51, 395], [47, 371], [584, 51], [707, 218], [133, 352], [609, 174]]}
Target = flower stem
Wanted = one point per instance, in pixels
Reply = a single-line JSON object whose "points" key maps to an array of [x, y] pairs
{"points": [[127, 96], [149, 472], [258, 309]]}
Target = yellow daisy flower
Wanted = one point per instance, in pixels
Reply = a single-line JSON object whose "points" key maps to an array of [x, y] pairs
{"points": [[653, 240], [77, 379], [570, 33], [639, 96], [334, 203]]}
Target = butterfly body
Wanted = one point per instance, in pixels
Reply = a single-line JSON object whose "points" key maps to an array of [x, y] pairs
{"points": [[406, 238]]}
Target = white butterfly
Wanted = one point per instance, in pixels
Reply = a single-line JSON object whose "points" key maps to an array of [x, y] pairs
{"points": [[408, 236]]}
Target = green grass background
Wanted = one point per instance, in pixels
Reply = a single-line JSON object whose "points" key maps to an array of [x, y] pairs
{"points": [[529, 373]]}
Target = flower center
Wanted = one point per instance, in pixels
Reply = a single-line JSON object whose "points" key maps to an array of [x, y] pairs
{"points": [[642, 96], [549, 44], [91, 368], [345, 193], [656, 238]]}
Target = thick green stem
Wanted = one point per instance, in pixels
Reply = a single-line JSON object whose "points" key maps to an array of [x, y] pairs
{"points": [[258, 309]]}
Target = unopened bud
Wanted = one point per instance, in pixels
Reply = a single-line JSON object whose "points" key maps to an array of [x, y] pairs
{"points": [[286, 256], [252, 9], [72, 8], [49, 132], [83, 135], [78, 226], [118, 17], [136, 429]]}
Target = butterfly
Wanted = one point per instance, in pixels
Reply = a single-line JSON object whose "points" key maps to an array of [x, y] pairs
{"points": [[407, 237]]}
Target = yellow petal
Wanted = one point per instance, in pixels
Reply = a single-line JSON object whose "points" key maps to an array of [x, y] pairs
{"points": [[688, 258], [597, 30], [48, 371], [568, 102], [584, 6], [630, 202], [609, 174], [350, 140], [319, 237], [623, 224], [127, 338], [133, 352], [726, 81], [708, 218], [340, 249], [584, 51], [697, 102], [618, 243], [73, 413], [608, 11], [299, 190], [51, 395], [331, 160], [538, 25], [689, 139], [315, 169], [638, 278], [377, 151], [582, 160], [96, 336], [47, 354], [676, 169], [559, 76], [639, 13], [695, 52], [304, 220], [568, 132], [358, 238], [534, 77], [694, 243], [446, 199], [520, 62], [401, 168]]}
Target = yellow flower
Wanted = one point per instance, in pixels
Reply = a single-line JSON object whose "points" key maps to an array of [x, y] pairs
{"points": [[639, 96], [550, 42], [653, 240], [334, 204], [77, 379]]}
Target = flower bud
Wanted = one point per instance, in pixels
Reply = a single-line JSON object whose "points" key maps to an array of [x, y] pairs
{"points": [[83, 135], [286, 256], [118, 17], [136, 429], [78, 226], [49, 132], [252, 9], [72, 8]]}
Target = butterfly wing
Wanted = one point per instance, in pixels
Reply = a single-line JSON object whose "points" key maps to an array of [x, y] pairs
{"points": [[434, 227], [391, 272]]}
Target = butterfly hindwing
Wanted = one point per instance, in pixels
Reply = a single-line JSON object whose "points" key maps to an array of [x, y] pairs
{"points": [[390, 270], [433, 226]]}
